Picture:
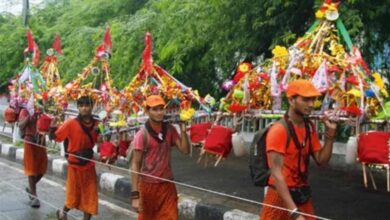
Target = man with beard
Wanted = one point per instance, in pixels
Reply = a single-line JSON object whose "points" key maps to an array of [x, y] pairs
{"points": [[151, 195], [81, 184], [289, 162]]}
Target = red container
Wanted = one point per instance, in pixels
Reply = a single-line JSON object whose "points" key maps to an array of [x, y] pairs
{"points": [[219, 141], [107, 150], [10, 115], [43, 123], [198, 132], [373, 147]]}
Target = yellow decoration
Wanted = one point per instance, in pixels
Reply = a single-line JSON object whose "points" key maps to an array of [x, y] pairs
{"points": [[336, 49], [186, 114], [384, 92], [320, 14], [317, 103], [355, 93], [331, 7], [244, 67], [118, 124], [279, 51], [378, 80]]}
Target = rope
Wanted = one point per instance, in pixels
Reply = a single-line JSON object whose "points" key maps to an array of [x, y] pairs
{"points": [[183, 184]]}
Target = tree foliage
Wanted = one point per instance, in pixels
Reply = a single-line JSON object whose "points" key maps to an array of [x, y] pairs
{"points": [[200, 42]]}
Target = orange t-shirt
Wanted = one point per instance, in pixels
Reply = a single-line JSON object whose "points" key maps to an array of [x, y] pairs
{"points": [[78, 140], [276, 141]]}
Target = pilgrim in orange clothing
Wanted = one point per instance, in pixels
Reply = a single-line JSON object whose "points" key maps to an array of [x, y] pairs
{"points": [[152, 195], [289, 164], [81, 185], [35, 156]]}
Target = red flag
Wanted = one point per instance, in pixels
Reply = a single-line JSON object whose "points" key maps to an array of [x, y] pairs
{"points": [[57, 44], [107, 40], [30, 40], [36, 55], [147, 59], [100, 50]]}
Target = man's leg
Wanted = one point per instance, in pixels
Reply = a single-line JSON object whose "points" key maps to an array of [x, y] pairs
{"points": [[38, 178], [87, 216], [34, 203], [62, 214], [32, 183]]}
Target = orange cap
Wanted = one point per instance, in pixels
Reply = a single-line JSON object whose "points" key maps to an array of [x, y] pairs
{"points": [[303, 88], [154, 100]]}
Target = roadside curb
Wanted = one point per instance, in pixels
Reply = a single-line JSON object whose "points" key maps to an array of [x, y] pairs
{"points": [[119, 187]]}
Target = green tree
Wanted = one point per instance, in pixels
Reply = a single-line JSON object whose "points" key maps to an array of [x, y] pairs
{"points": [[200, 42]]}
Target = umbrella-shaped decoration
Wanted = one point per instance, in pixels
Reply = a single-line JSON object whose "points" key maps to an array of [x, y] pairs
{"points": [[28, 86], [95, 79], [54, 96], [326, 56], [152, 79]]}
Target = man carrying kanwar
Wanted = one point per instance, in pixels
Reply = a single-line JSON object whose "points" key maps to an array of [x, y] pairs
{"points": [[80, 135], [35, 155], [152, 195], [289, 147]]}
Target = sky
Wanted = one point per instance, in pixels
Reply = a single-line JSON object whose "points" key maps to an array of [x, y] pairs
{"points": [[15, 6]]}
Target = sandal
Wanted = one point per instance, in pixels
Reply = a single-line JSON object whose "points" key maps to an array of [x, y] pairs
{"points": [[35, 203], [61, 215]]}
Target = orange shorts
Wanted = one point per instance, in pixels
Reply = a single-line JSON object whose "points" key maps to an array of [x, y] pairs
{"points": [[272, 198], [81, 190], [34, 160], [158, 201]]}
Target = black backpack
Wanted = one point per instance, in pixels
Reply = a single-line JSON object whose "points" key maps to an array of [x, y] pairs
{"points": [[258, 164]]}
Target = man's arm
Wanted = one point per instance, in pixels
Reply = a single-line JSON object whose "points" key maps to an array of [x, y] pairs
{"points": [[322, 156], [136, 163], [58, 132], [183, 143], [23, 123], [53, 128], [25, 118], [276, 165]]}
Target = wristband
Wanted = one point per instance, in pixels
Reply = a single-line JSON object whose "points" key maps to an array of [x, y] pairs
{"points": [[134, 195], [294, 214]]}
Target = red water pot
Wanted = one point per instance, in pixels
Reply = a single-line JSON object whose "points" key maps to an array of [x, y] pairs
{"points": [[10, 115], [43, 123]]}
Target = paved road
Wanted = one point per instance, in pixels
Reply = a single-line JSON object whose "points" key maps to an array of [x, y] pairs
{"points": [[337, 193], [14, 201]]}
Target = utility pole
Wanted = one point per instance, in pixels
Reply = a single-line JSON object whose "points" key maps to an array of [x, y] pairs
{"points": [[26, 11]]}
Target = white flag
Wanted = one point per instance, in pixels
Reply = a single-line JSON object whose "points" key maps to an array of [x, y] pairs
{"points": [[320, 78]]}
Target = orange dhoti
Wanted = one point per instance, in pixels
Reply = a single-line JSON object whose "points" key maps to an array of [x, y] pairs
{"points": [[158, 201], [273, 198], [81, 190], [34, 160]]}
